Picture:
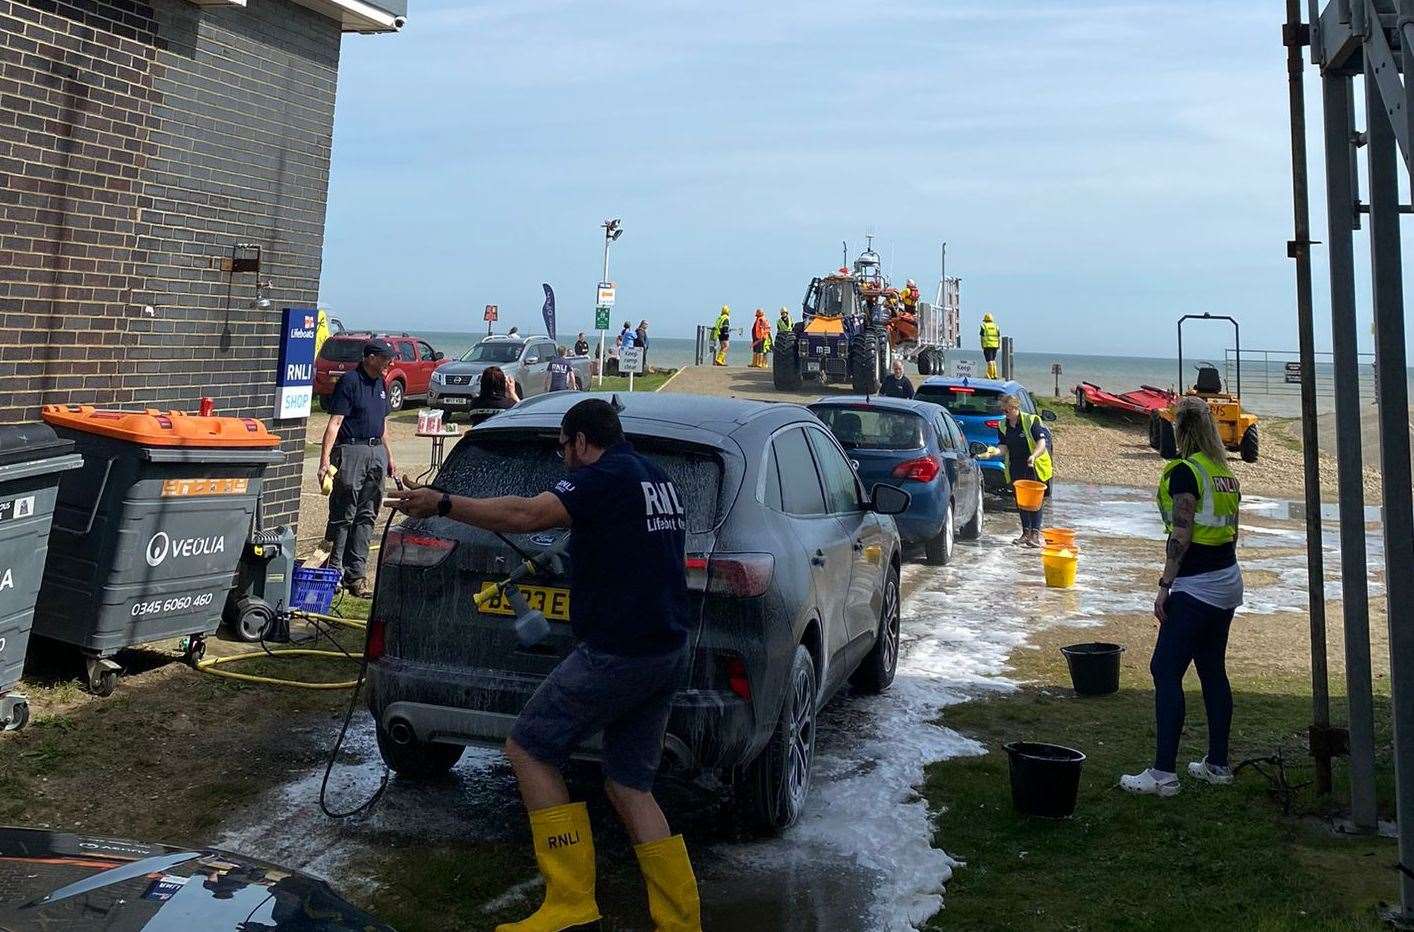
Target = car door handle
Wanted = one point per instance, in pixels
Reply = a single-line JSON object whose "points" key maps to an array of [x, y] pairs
{"points": [[818, 559]]}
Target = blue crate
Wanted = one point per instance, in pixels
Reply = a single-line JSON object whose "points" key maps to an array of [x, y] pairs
{"points": [[313, 589]]}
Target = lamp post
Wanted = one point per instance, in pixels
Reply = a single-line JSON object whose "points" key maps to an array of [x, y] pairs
{"points": [[613, 229]]}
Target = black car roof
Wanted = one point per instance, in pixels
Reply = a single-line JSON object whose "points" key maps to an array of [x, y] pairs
{"points": [[721, 416]]}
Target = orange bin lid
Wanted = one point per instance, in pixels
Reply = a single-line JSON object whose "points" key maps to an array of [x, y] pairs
{"points": [[153, 428]]}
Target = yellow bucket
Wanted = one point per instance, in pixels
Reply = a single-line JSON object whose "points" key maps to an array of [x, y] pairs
{"points": [[1030, 494], [1060, 568]]}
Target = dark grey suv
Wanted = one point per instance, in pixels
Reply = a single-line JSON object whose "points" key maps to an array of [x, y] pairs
{"points": [[793, 571]]}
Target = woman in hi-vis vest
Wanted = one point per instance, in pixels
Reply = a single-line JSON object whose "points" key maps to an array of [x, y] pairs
{"points": [[1199, 590]]}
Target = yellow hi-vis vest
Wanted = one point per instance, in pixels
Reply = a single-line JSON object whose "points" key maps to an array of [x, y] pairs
{"points": [[991, 335], [1215, 522], [783, 325], [1043, 462], [721, 329]]}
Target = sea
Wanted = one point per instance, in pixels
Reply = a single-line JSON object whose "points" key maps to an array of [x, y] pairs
{"points": [[1264, 389]]}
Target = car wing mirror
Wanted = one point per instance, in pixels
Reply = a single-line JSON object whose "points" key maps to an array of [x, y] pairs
{"points": [[889, 499], [1048, 415], [977, 449], [438, 356]]}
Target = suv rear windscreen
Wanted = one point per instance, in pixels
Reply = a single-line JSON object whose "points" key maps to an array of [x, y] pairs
{"points": [[961, 399], [342, 350], [483, 465], [871, 428]]}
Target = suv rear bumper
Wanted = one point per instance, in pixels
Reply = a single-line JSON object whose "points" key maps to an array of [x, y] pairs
{"points": [[707, 729]]}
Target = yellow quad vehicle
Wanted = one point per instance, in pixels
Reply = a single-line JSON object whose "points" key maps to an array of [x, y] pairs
{"points": [[1236, 428]]}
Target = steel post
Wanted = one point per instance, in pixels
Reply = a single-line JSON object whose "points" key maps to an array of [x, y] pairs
{"points": [[1300, 250], [1398, 484], [1336, 93]]}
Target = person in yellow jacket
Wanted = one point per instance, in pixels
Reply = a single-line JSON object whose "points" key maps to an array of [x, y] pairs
{"points": [[722, 333], [991, 336], [1199, 590], [783, 324], [1021, 440]]}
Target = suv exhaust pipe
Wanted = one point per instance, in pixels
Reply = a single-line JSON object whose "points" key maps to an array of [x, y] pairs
{"points": [[401, 733]]}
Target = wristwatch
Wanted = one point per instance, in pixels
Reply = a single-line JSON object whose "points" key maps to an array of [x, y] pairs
{"points": [[444, 507], [1165, 585]]}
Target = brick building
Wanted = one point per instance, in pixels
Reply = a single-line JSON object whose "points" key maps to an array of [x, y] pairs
{"points": [[139, 143]]}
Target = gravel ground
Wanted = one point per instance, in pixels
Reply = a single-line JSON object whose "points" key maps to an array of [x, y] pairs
{"points": [[1115, 451]]}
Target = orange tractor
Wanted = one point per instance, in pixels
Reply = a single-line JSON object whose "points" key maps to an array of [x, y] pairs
{"points": [[1236, 428]]}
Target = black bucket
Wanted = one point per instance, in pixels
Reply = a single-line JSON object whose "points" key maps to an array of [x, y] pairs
{"points": [[1045, 778], [1094, 668]]}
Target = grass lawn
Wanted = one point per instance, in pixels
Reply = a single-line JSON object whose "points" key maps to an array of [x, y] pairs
{"points": [[1211, 857], [641, 383]]}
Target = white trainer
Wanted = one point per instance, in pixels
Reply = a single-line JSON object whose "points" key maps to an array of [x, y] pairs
{"points": [[1202, 770], [1150, 783]]}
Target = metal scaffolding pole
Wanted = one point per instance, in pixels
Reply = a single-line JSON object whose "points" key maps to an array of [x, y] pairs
{"points": [[1398, 484], [1336, 93], [1294, 37]]}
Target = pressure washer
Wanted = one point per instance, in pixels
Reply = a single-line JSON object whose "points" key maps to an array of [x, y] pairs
{"points": [[257, 609]]}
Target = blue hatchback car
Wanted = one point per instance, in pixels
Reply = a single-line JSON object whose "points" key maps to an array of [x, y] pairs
{"points": [[976, 406], [920, 448]]}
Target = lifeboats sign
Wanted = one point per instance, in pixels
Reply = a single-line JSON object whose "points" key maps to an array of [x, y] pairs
{"points": [[294, 380]]}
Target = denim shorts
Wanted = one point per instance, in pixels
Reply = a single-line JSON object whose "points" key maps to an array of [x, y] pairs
{"points": [[627, 699]]}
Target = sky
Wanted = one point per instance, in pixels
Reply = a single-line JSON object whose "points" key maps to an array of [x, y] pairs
{"points": [[1095, 168]]}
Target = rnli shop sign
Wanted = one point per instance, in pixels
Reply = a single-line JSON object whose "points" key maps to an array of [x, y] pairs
{"points": [[294, 383]]}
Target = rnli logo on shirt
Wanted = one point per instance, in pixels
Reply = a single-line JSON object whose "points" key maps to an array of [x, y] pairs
{"points": [[1227, 484], [661, 507]]}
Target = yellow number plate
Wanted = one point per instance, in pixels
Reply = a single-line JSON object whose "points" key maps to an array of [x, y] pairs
{"points": [[554, 604]]}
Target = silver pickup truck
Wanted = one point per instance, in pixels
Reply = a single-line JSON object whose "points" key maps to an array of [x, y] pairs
{"points": [[523, 358]]}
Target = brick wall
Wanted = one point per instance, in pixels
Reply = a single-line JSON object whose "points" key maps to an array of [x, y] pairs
{"points": [[138, 143]]}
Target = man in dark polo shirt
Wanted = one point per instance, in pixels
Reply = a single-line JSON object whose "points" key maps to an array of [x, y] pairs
{"points": [[353, 444], [625, 516]]}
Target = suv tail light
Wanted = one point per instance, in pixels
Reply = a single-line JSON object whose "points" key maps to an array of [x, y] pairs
{"points": [[739, 575], [376, 645], [995, 423], [734, 668], [923, 469], [408, 549]]}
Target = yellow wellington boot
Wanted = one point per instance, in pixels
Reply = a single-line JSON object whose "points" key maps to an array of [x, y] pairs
{"points": [[991, 370], [672, 888], [564, 849]]}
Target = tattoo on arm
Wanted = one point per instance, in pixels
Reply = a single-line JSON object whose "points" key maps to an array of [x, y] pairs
{"points": [[1184, 507]]}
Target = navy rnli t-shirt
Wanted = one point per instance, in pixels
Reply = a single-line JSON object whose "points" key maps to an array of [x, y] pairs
{"points": [[629, 524]]}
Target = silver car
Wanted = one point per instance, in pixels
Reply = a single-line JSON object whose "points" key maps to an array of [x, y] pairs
{"points": [[523, 358]]}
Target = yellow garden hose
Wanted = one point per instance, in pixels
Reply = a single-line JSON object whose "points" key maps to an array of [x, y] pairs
{"points": [[211, 664]]}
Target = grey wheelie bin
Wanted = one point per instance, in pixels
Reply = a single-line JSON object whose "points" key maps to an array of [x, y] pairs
{"points": [[147, 534], [31, 460]]}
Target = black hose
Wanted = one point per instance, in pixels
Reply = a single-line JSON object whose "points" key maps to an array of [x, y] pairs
{"points": [[353, 703]]}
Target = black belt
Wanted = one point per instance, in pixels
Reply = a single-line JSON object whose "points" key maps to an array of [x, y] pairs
{"points": [[364, 441]]}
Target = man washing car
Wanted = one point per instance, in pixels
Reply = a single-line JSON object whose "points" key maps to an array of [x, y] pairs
{"points": [[622, 510]]}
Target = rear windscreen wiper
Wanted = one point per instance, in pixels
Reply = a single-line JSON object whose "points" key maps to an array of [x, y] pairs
{"points": [[118, 874]]}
